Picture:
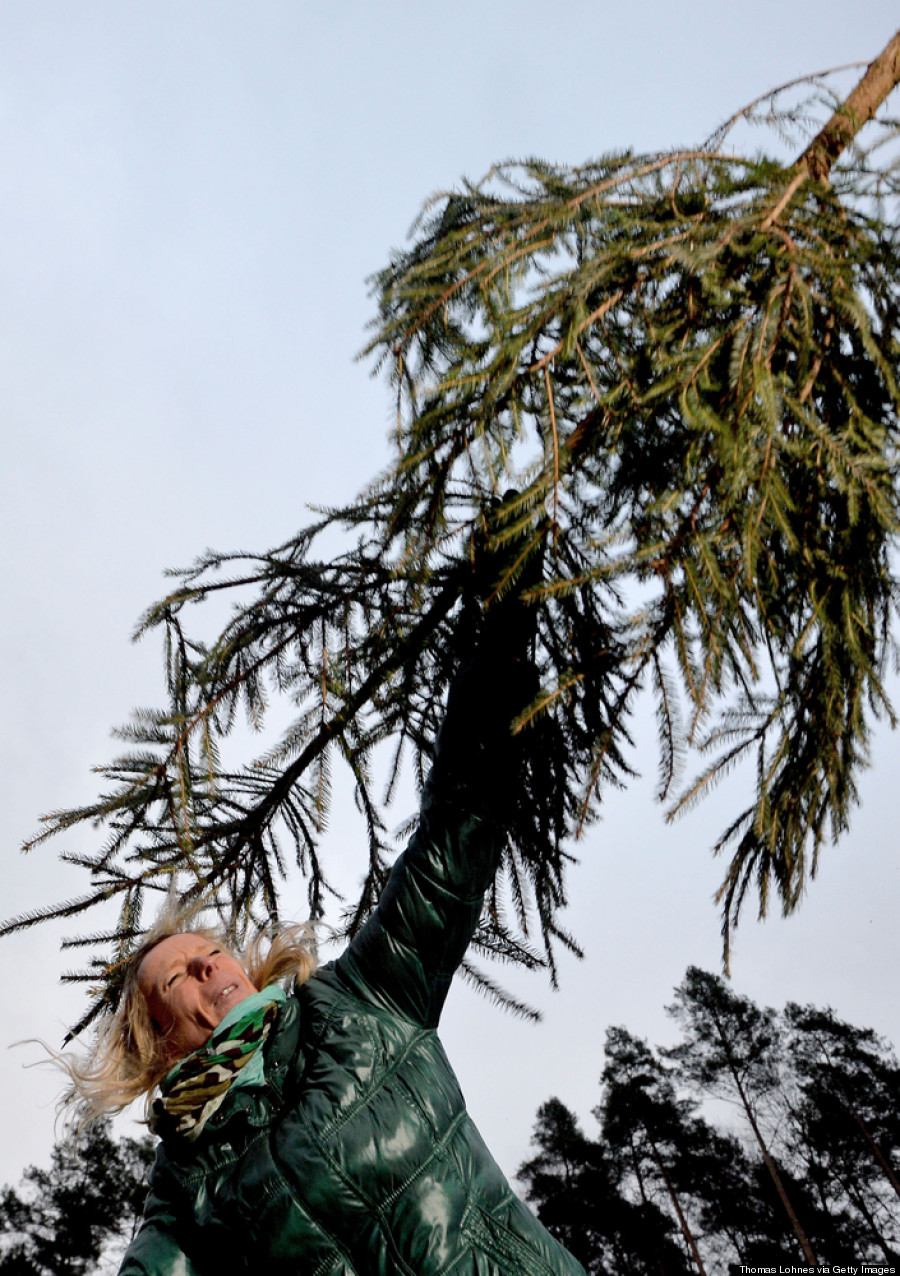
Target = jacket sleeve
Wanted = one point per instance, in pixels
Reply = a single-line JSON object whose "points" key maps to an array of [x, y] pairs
{"points": [[404, 957], [155, 1250]]}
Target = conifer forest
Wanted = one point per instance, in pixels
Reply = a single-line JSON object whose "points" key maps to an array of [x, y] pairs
{"points": [[762, 1138]]}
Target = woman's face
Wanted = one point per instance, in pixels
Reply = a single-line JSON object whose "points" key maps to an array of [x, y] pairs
{"points": [[189, 984]]}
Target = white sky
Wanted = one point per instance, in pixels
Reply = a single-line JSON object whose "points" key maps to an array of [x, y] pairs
{"points": [[192, 196]]}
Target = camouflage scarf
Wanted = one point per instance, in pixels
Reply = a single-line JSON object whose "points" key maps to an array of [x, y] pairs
{"points": [[195, 1087]]}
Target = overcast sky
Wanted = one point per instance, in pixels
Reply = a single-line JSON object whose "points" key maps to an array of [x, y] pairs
{"points": [[193, 195]]}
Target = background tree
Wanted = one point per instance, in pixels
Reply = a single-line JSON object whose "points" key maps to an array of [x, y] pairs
{"points": [[643, 1118], [720, 1183], [670, 1188], [729, 1050], [847, 1118], [62, 1220], [575, 1185], [687, 363]]}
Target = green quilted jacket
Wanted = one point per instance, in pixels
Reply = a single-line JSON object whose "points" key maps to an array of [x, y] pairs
{"points": [[358, 1155]]}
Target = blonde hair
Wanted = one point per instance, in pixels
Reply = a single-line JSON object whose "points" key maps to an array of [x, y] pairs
{"points": [[129, 1057]]}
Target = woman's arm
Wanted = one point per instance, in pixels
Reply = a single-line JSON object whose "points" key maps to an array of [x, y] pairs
{"points": [[154, 1250], [405, 956]]}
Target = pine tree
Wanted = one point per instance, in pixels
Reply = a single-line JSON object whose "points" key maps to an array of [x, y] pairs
{"points": [[641, 1112], [729, 1049], [665, 1189], [576, 1186], [62, 1220], [685, 368], [714, 1173], [846, 1119]]}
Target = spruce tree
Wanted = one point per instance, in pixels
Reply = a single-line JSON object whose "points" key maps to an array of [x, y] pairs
{"points": [[682, 371]]}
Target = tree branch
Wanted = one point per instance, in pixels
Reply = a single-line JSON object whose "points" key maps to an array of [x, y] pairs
{"points": [[278, 791]]}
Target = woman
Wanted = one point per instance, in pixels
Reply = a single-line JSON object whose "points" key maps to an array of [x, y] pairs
{"points": [[324, 1131]]}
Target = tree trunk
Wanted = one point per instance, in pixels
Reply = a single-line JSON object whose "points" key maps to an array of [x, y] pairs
{"points": [[851, 1107], [856, 1196], [644, 1197], [776, 1179], [876, 1151], [676, 1204], [882, 76], [766, 1154]]}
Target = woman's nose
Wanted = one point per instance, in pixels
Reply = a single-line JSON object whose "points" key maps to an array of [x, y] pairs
{"points": [[202, 967]]}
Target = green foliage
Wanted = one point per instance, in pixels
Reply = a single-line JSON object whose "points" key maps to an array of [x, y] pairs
{"points": [[698, 372], [687, 366], [666, 1188], [63, 1219]]}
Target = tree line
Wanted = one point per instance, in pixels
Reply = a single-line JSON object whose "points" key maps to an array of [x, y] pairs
{"points": [[760, 1138]]}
